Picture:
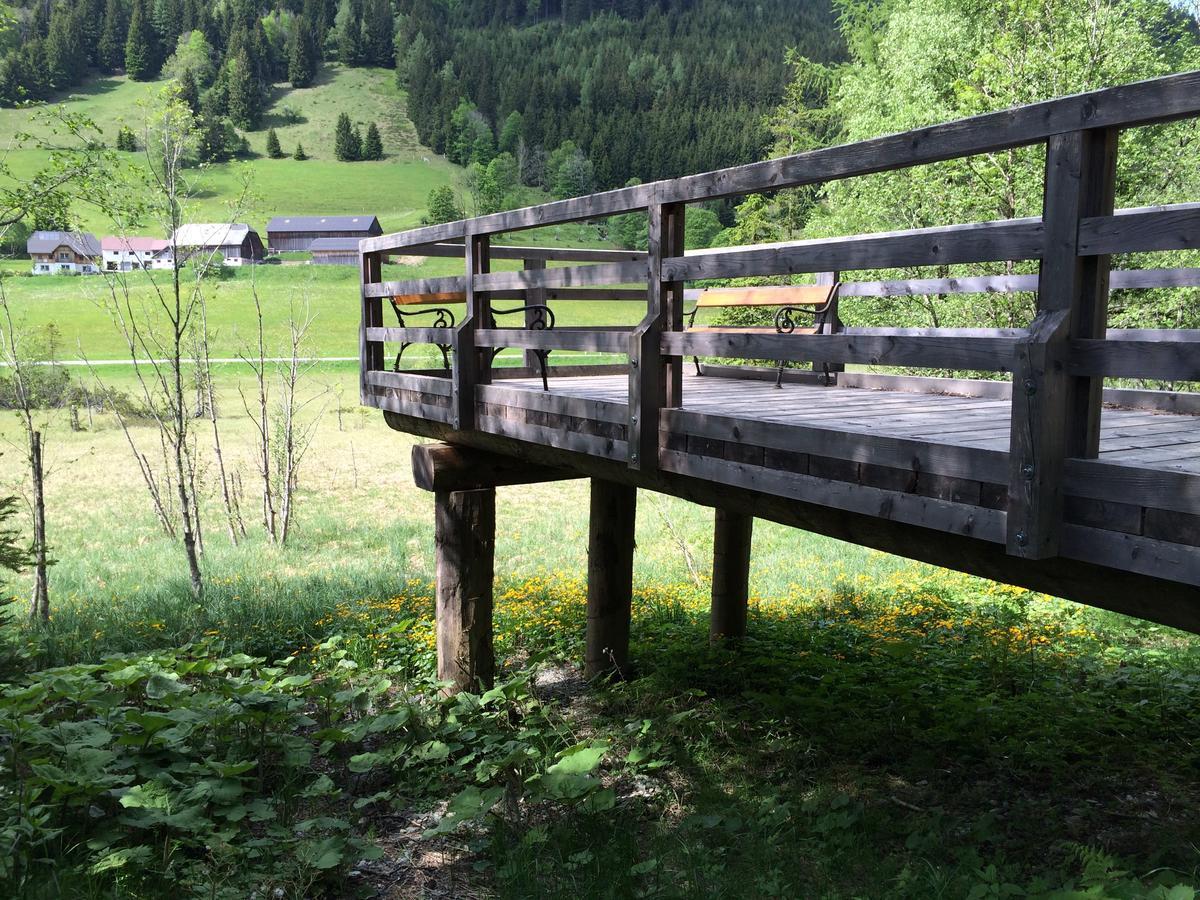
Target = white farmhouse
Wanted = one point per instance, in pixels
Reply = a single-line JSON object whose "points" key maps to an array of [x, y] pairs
{"points": [[63, 252], [126, 254], [233, 243]]}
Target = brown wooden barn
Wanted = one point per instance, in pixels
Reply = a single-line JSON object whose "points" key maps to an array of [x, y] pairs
{"points": [[296, 233], [334, 252]]}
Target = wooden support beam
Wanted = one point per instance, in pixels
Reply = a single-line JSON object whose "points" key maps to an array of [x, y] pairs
{"points": [[370, 353], [1106, 586], [610, 578], [731, 575], [465, 536], [534, 296], [452, 467]]}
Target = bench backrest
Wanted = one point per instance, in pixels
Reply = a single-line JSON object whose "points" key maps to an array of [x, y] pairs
{"points": [[429, 299], [793, 295]]}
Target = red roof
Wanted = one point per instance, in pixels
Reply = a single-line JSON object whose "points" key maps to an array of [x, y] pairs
{"points": [[134, 244]]}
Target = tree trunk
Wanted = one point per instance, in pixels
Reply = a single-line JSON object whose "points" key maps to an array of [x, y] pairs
{"points": [[39, 607]]}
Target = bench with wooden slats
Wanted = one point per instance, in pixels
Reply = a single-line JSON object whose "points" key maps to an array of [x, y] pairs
{"points": [[816, 300], [444, 318]]}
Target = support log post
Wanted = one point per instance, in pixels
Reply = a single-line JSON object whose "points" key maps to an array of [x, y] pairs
{"points": [[730, 575], [533, 297], [610, 578], [1055, 416], [465, 535]]}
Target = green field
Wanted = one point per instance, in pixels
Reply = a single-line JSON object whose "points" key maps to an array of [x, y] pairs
{"points": [[394, 189]]}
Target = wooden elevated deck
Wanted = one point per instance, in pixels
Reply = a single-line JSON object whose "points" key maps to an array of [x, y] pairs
{"points": [[1049, 477]]}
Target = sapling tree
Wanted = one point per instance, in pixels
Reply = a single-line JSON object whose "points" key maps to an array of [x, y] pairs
{"points": [[160, 325]]}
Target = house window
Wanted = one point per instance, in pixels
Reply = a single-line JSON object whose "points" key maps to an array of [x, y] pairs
{"points": [[63, 256]]}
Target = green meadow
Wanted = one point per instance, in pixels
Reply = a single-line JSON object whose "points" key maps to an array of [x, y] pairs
{"points": [[886, 730]]}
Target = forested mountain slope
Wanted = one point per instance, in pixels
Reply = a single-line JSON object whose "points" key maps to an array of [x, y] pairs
{"points": [[643, 88]]}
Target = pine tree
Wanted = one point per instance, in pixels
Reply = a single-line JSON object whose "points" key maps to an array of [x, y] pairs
{"points": [[300, 154], [302, 59], [140, 52], [125, 140], [110, 53], [189, 93], [350, 39], [372, 147], [346, 145], [273, 149], [245, 98]]}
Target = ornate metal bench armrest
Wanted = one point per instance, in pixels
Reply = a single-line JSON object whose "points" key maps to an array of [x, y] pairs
{"points": [[543, 320], [444, 318]]}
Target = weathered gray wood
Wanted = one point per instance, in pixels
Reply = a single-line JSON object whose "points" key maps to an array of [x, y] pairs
{"points": [[370, 353], [465, 538], [1166, 360], [761, 373], [918, 384], [1014, 284], [444, 285], [982, 354], [596, 341], [1174, 227], [448, 468], [732, 533], [386, 399], [610, 578], [425, 384], [877, 449], [590, 444], [501, 373], [559, 404], [1161, 488], [955, 518], [540, 254], [412, 335], [563, 276], [534, 297], [647, 372], [1132, 553], [1011, 239]]}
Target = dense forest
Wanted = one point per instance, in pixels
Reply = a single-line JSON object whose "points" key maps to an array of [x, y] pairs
{"points": [[582, 94]]}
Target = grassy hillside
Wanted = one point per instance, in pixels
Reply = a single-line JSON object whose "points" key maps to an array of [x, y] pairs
{"points": [[395, 188]]}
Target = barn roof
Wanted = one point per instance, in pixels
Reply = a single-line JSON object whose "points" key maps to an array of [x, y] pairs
{"points": [[343, 245], [211, 234], [308, 224], [82, 242]]}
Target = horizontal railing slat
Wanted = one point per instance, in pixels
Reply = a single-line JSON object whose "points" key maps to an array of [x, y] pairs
{"points": [[407, 381], [1173, 359], [445, 285], [983, 354], [608, 448], [412, 335], [1012, 239], [1136, 230], [550, 254], [557, 339], [564, 276]]}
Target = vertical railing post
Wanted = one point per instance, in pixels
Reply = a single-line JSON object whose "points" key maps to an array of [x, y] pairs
{"points": [[830, 325], [654, 380], [1055, 416], [470, 368], [534, 296], [370, 353]]}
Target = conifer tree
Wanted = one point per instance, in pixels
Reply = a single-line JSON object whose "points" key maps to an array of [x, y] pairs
{"points": [[300, 154], [245, 99], [189, 92], [140, 45], [372, 146], [302, 58], [274, 151], [346, 144], [350, 39], [110, 52]]}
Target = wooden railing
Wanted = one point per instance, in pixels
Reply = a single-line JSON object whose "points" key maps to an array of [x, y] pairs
{"points": [[1058, 364]]}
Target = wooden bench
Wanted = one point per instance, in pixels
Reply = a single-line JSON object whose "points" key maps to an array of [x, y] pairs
{"points": [[816, 300], [443, 317]]}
